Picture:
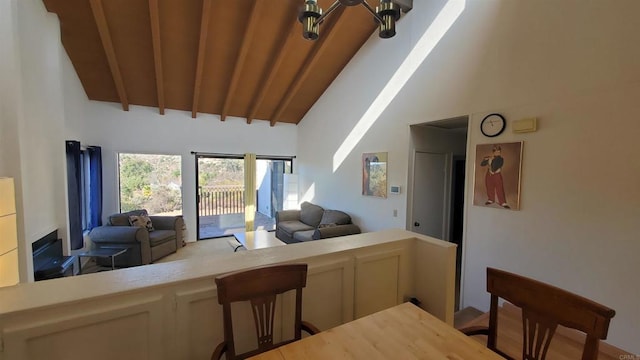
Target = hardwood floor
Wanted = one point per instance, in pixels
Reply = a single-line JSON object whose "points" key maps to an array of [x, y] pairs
{"points": [[567, 343]]}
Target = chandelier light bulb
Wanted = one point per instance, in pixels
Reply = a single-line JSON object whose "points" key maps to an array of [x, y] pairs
{"points": [[309, 16]]}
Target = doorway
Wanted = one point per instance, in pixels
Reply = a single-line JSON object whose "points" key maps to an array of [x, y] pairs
{"points": [[430, 191], [220, 197], [438, 169]]}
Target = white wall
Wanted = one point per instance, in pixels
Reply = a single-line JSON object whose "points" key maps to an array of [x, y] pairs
{"points": [[9, 82], [10, 92], [32, 117], [143, 130], [572, 64]]}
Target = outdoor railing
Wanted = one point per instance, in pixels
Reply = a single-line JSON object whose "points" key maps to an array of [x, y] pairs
{"points": [[220, 200]]}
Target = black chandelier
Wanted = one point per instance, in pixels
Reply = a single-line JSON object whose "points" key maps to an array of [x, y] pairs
{"points": [[385, 14]]}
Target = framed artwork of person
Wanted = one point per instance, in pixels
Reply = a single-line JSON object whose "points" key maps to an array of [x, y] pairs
{"points": [[498, 169], [374, 174]]}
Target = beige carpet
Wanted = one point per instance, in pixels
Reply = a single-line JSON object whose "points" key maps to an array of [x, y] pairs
{"points": [[201, 248], [207, 247]]}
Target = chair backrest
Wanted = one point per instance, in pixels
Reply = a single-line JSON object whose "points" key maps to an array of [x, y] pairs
{"points": [[544, 307], [260, 286]]}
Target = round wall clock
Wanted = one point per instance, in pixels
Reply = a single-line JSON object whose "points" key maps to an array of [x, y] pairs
{"points": [[493, 125]]}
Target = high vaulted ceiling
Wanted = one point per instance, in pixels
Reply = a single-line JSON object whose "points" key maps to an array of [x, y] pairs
{"points": [[243, 58]]}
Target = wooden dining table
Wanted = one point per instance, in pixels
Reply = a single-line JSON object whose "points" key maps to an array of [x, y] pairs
{"points": [[402, 332]]}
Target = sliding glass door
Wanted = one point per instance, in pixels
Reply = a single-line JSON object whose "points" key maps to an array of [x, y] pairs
{"points": [[221, 198]]}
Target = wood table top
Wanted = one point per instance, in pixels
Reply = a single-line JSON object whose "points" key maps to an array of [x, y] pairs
{"points": [[259, 239], [401, 332]]}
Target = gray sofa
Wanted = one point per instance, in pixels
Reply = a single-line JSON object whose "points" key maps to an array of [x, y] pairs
{"points": [[312, 222], [143, 246]]}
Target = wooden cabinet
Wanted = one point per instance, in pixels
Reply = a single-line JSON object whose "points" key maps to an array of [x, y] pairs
{"points": [[8, 234]]}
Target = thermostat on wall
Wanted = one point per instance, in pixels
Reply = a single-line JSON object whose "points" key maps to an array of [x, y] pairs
{"points": [[395, 189]]}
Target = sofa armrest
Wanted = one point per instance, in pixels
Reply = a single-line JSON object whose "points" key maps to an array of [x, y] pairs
{"points": [[333, 231], [119, 234], [287, 215], [175, 223]]}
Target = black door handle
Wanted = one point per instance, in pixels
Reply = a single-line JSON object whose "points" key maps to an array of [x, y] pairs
{"points": [[416, 224]]}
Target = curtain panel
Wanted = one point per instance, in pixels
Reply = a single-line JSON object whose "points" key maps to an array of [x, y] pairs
{"points": [[74, 190], [84, 187], [249, 191], [95, 187]]}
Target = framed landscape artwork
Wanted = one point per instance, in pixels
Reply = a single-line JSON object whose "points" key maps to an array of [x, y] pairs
{"points": [[374, 174], [497, 173]]}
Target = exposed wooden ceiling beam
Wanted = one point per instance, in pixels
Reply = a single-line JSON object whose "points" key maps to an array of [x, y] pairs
{"points": [[107, 44], [202, 47], [201, 60], [157, 52], [278, 55], [308, 64], [242, 56]]}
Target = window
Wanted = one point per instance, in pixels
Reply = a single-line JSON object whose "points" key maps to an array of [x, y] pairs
{"points": [[151, 182]]}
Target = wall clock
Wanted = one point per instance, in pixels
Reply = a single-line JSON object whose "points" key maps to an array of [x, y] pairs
{"points": [[493, 125]]}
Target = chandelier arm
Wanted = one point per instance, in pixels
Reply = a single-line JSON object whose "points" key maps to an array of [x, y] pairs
{"points": [[329, 11], [373, 12]]}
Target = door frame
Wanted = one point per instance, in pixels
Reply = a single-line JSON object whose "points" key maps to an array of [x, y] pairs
{"points": [[199, 155]]}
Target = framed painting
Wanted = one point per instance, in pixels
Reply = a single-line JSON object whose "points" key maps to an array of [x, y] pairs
{"points": [[498, 169], [374, 174]]}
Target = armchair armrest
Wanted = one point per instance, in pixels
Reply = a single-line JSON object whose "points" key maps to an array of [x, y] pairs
{"points": [[287, 215], [175, 223], [333, 231], [119, 234], [166, 222]]}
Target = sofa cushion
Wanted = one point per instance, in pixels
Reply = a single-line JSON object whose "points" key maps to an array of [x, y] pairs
{"points": [[291, 227], [301, 236], [141, 221], [335, 217], [310, 214], [122, 219], [333, 231], [161, 236], [321, 226]]}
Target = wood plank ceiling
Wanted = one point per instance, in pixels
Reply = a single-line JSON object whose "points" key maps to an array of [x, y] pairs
{"points": [[243, 58]]}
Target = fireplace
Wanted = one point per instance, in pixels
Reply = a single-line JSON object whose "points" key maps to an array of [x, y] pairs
{"points": [[48, 261]]}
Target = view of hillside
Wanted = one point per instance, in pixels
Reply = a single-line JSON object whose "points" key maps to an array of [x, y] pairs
{"points": [[220, 172], [154, 182], [151, 182]]}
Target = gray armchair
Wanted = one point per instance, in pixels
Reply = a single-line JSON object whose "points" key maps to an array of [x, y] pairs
{"points": [[143, 246]]}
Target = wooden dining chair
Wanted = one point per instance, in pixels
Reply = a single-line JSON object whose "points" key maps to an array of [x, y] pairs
{"points": [[260, 286], [544, 307]]}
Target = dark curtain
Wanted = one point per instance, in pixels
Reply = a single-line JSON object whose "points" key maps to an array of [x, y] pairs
{"points": [[95, 187], [74, 173]]}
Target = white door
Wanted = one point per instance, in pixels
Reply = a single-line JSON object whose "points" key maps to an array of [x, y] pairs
{"points": [[429, 194]]}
